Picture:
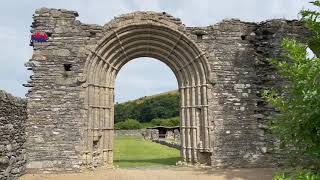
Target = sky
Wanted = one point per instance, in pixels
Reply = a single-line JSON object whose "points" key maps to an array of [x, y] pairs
{"points": [[140, 77]]}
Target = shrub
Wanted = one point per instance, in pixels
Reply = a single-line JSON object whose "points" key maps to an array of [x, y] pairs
{"points": [[128, 124], [298, 175], [297, 126], [175, 121]]}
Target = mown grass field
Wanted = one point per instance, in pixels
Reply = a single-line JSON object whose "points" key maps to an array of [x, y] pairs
{"points": [[135, 152]]}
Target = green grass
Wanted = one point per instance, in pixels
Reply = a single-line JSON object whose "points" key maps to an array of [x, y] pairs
{"points": [[135, 151]]}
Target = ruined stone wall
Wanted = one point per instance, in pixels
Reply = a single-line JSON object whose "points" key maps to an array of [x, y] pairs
{"points": [[266, 42], [169, 143], [13, 117], [130, 132], [54, 104], [238, 55]]}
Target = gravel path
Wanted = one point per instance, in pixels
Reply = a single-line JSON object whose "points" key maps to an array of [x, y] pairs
{"points": [[160, 173]]}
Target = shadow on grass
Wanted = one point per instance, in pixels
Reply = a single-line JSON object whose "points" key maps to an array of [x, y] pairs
{"points": [[146, 162]]}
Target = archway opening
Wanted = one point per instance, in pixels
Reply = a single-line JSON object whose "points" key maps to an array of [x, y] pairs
{"points": [[146, 100], [177, 51], [144, 77]]}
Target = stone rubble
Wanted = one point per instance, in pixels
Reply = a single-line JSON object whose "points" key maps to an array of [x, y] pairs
{"points": [[13, 116]]}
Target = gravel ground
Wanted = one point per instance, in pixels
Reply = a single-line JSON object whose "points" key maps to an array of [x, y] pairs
{"points": [[159, 173]]}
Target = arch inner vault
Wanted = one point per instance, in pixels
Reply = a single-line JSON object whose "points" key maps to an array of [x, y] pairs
{"points": [[166, 44]]}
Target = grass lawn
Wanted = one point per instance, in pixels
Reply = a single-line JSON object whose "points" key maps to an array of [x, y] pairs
{"points": [[135, 151]]}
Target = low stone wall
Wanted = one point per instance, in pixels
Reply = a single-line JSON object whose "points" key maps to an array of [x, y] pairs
{"points": [[168, 143], [151, 134], [13, 117], [132, 132]]}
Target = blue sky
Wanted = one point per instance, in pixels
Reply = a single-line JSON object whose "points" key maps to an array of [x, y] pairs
{"points": [[140, 77]]}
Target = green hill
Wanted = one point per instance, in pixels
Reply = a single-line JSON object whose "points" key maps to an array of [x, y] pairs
{"points": [[158, 106]]}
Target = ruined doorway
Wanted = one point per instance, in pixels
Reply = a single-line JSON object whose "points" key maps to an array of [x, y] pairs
{"points": [[144, 39], [146, 96]]}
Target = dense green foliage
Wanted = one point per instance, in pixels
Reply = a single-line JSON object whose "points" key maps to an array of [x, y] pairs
{"points": [[300, 175], [298, 123], [134, 151], [311, 20], [134, 124], [128, 124], [175, 121], [144, 110]]}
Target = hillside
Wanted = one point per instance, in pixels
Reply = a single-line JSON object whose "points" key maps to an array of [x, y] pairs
{"points": [[144, 109], [142, 99]]}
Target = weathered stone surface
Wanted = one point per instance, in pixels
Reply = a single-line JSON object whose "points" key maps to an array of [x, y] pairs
{"points": [[13, 116], [132, 132], [221, 70], [151, 134], [168, 143]]}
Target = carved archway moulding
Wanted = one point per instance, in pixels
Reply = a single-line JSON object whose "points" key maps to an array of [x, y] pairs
{"points": [[130, 38]]}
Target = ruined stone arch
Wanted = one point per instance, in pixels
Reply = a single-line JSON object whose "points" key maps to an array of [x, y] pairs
{"points": [[145, 37], [221, 71]]}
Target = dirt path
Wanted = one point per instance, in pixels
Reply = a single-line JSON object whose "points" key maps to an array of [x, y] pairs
{"points": [[159, 174]]}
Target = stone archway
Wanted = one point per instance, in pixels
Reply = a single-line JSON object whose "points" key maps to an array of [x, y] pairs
{"points": [[144, 37], [70, 100]]}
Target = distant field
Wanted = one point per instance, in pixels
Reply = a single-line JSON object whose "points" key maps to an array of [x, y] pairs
{"points": [[135, 151]]}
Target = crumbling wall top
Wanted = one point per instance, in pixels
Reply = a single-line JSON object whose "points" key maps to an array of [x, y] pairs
{"points": [[145, 17], [7, 97], [58, 13]]}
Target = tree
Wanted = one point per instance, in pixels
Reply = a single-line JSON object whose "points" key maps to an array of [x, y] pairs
{"points": [[128, 124], [146, 109], [174, 121], [311, 20], [298, 123]]}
